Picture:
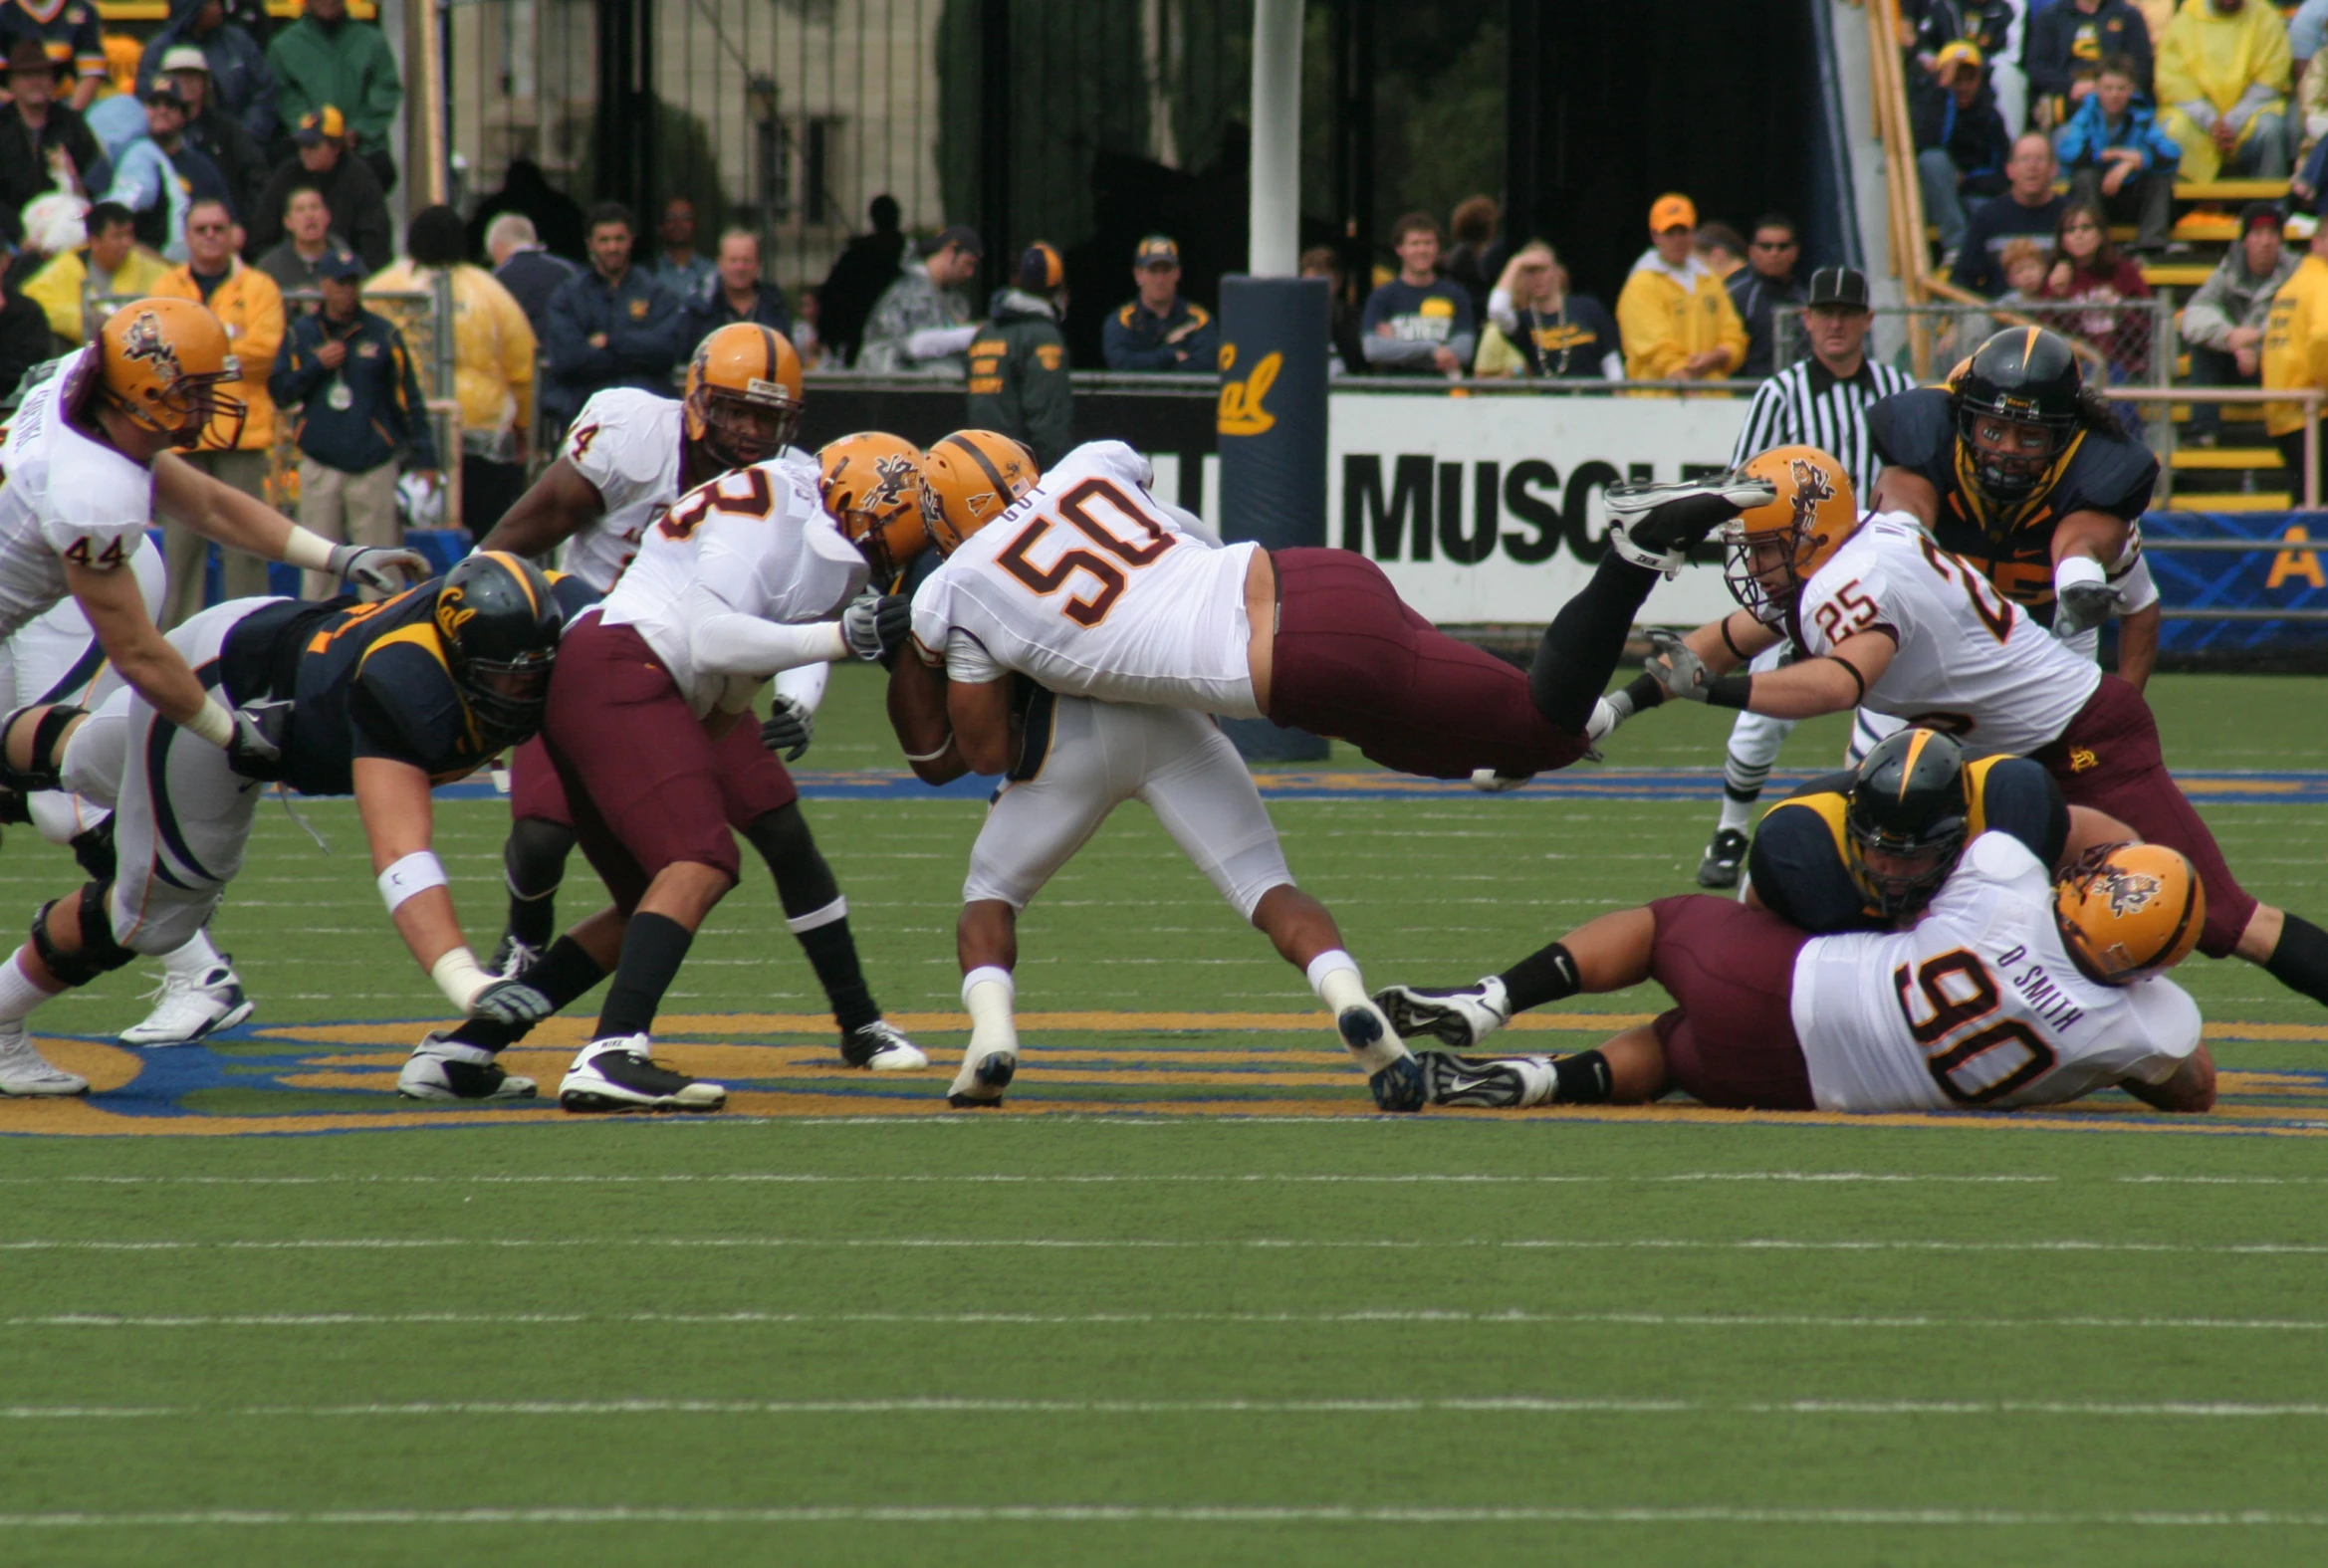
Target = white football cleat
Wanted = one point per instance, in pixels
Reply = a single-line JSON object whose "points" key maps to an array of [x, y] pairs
{"points": [[26, 1074], [184, 1010], [983, 1076], [618, 1075], [1488, 782], [1496, 1083], [881, 1046], [1460, 1016], [446, 1070], [1656, 525]]}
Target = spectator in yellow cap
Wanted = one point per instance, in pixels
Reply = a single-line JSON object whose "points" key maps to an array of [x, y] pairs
{"points": [[359, 208], [1674, 314], [1961, 143]]}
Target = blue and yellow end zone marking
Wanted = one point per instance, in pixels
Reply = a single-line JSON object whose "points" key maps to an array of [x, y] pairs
{"points": [[340, 1077]]}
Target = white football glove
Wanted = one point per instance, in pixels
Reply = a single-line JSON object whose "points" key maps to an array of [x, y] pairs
{"points": [[380, 570], [875, 625]]}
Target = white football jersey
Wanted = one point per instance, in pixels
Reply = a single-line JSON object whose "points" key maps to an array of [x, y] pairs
{"points": [[64, 497], [626, 443], [1092, 588], [1969, 660], [756, 541], [1979, 1004]]}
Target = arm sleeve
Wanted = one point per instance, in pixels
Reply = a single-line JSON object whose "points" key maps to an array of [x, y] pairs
{"points": [[2259, 95], [722, 640], [1395, 351], [1501, 314], [1203, 345], [936, 342], [2137, 589], [2045, 58], [2203, 321], [650, 347], [262, 327], [296, 371], [291, 99], [1121, 354], [1048, 400], [968, 661], [383, 93], [566, 340]]}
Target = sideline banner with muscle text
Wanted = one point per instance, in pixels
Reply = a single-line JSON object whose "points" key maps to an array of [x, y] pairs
{"points": [[1487, 508]]}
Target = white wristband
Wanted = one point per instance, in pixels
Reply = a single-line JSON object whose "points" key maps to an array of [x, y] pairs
{"points": [[409, 877], [307, 550], [213, 723], [931, 757], [459, 975], [2072, 571]]}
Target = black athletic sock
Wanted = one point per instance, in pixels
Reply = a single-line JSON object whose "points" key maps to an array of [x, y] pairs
{"points": [[2300, 962], [806, 888], [1546, 974], [1581, 1080], [652, 950], [534, 861], [1582, 647], [1645, 692], [567, 972]]}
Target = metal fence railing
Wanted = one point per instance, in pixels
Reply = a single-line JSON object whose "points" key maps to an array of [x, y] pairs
{"points": [[2123, 342]]}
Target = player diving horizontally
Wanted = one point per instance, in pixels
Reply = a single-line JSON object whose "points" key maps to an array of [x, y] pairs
{"points": [[741, 579], [1887, 620], [381, 700], [1080, 583], [1988, 984], [90, 461], [628, 457]]}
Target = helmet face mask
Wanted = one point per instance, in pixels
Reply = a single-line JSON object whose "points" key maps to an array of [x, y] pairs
{"points": [[870, 483], [743, 401], [1907, 821], [2016, 409], [161, 363], [1771, 551], [499, 624]]}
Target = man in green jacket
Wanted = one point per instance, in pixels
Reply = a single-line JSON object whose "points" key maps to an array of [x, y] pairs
{"points": [[324, 57], [1019, 361]]}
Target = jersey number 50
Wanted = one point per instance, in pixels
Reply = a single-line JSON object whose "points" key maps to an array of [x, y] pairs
{"points": [[1074, 507], [1967, 1069]]}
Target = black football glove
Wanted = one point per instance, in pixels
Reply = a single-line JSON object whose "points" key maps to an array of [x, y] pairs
{"points": [[790, 726]]}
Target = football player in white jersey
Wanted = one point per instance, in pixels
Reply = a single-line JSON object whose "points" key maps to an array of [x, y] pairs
{"points": [[1092, 588], [58, 659], [2013, 991], [90, 462], [627, 457], [1071, 762], [743, 577], [1886, 619]]}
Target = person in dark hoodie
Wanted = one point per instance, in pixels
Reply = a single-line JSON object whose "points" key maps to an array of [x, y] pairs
{"points": [[558, 217], [242, 87], [1019, 361], [23, 325], [359, 210]]}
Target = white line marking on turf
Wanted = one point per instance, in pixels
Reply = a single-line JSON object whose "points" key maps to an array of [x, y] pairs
{"points": [[1121, 1243], [819, 1179], [1516, 1404], [273, 1320], [2245, 1518]]}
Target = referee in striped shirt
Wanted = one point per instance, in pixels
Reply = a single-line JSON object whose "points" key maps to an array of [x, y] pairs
{"points": [[1819, 401]]}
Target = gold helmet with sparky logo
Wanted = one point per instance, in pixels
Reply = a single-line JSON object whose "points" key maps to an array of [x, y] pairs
{"points": [[969, 479], [743, 399], [2129, 911], [162, 362], [871, 484], [1775, 548]]}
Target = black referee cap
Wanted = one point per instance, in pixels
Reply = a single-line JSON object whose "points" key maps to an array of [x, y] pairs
{"points": [[1843, 286]]}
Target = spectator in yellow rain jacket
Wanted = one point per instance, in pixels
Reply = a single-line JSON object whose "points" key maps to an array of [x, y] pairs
{"points": [[2222, 79], [1674, 314], [493, 362], [250, 308], [2295, 347], [112, 265]]}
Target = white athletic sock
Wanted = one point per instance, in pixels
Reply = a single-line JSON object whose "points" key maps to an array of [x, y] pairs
{"points": [[193, 961], [1735, 815], [18, 995], [989, 992], [1334, 976]]}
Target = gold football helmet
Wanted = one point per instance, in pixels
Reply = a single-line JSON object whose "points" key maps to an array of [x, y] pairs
{"points": [[969, 479], [2129, 911], [162, 362], [871, 483], [744, 394], [1775, 548]]}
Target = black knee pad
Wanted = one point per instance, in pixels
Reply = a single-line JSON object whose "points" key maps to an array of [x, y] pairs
{"points": [[534, 858], [45, 765], [94, 849], [99, 954]]}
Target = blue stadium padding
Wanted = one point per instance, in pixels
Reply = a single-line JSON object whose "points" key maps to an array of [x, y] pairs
{"points": [[2241, 580]]}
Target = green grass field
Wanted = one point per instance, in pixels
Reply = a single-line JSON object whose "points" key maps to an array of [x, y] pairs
{"points": [[809, 1333]]}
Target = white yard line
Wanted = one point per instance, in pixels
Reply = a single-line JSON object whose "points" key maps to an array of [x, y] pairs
{"points": [[1102, 1514]]}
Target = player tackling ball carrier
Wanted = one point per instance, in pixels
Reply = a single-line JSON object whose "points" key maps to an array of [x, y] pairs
{"points": [[1067, 763], [628, 458], [1887, 620]]}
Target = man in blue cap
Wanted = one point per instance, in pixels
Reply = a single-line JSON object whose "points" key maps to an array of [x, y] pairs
{"points": [[1160, 331]]}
